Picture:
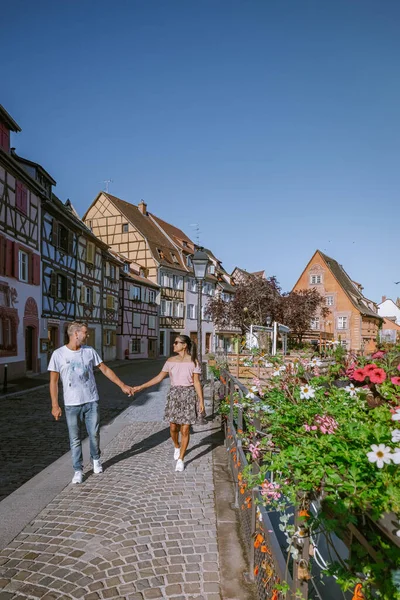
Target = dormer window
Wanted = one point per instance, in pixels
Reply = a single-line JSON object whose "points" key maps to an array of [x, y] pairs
{"points": [[211, 270], [189, 261], [174, 258], [160, 254], [126, 267], [184, 243]]}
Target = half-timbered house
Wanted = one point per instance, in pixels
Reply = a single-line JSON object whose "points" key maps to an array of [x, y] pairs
{"points": [[129, 229], [138, 328], [20, 297], [80, 280]]}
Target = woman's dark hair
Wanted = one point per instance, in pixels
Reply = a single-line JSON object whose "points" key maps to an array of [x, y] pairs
{"points": [[191, 347]]}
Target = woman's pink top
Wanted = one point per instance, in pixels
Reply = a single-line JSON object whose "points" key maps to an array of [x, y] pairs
{"points": [[181, 373]]}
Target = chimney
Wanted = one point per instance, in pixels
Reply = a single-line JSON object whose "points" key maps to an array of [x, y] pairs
{"points": [[142, 206], [383, 298]]}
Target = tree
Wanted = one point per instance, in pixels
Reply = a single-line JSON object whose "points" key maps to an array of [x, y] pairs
{"points": [[254, 299], [299, 307]]}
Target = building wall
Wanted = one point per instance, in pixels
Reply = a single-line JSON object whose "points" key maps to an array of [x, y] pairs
{"points": [[207, 327], [20, 301], [388, 308]]}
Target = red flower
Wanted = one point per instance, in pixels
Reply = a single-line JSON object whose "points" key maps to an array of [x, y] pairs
{"points": [[359, 375], [377, 376], [395, 380], [369, 368]]}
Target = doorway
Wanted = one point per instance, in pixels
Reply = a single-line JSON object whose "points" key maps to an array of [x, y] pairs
{"points": [[30, 339], [208, 342], [152, 348]]}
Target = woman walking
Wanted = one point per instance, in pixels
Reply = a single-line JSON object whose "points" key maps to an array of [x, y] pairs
{"points": [[184, 371]]}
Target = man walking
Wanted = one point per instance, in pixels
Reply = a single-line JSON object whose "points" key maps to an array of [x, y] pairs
{"points": [[74, 363]]}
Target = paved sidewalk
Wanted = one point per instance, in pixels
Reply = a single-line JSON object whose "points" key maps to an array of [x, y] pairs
{"points": [[138, 531]]}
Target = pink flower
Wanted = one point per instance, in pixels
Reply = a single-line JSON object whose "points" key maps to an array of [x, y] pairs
{"points": [[307, 427], [369, 368], [379, 354], [270, 490], [395, 380], [359, 375], [350, 370], [255, 452], [377, 376]]}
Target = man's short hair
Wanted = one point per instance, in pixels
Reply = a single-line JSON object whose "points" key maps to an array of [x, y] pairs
{"points": [[75, 326]]}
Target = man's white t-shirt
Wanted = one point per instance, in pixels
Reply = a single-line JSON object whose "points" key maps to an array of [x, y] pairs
{"points": [[76, 372]]}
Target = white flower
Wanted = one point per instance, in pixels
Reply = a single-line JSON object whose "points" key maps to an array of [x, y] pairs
{"points": [[268, 364], [398, 533], [396, 456], [254, 389], [276, 373], [396, 435], [282, 368], [396, 415], [351, 389], [381, 455], [315, 362], [306, 392], [250, 396]]}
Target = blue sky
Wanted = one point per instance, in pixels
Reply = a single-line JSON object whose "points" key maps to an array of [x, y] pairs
{"points": [[274, 125]]}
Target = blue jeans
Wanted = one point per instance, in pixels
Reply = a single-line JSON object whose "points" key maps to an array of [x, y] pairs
{"points": [[75, 415]]}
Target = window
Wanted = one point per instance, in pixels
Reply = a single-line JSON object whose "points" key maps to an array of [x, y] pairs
{"points": [[23, 268], [61, 287], [63, 235], [174, 258], [189, 261], [315, 323], [192, 285], [329, 300], [315, 279], [134, 292], [167, 280], [136, 319], [166, 308], [90, 249], [126, 268], [208, 289], [160, 253], [204, 316], [88, 297], [211, 269], [21, 197], [109, 337], [110, 302], [125, 227], [135, 346], [342, 323], [178, 282], [178, 309], [226, 297], [113, 272], [152, 322], [151, 296], [191, 311]]}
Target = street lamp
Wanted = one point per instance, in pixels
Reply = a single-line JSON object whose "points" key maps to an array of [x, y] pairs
{"points": [[200, 263]]}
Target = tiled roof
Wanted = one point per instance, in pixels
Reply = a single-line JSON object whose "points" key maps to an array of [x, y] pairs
{"points": [[154, 236], [177, 234], [352, 291]]}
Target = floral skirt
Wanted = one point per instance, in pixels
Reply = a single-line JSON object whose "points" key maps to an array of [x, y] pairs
{"points": [[181, 405]]}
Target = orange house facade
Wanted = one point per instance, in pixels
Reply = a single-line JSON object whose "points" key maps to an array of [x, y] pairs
{"points": [[353, 319]]}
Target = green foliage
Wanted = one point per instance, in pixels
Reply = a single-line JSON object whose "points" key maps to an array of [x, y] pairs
{"points": [[316, 439]]}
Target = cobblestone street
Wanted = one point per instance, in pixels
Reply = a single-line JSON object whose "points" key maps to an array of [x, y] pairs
{"points": [[31, 439], [138, 531]]}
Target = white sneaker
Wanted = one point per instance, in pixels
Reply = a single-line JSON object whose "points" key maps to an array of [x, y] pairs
{"points": [[180, 465], [177, 453], [97, 466], [78, 477]]}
